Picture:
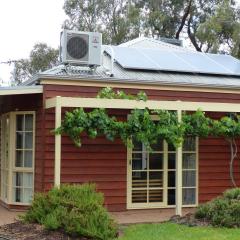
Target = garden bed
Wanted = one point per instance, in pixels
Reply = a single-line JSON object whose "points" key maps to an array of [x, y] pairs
{"points": [[21, 231]]}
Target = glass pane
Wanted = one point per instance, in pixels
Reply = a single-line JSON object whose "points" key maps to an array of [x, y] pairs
{"points": [[137, 145], [139, 179], [19, 158], [27, 196], [155, 161], [171, 179], [171, 161], [139, 196], [189, 144], [156, 195], [18, 179], [28, 159], [158, 146], [155, 179], [189, 178], [20, 122], [139, 161], [27, 180], [189, 161], [171, 148], [19, 141], [28, 140], [28, 122], [189, 196], [171, 197], [18, 195]]}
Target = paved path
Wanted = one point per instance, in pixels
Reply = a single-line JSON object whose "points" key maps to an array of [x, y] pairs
{"points": [[147, 216], [7, 216]]}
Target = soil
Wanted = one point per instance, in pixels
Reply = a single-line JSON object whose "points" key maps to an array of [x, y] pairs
{"points": [[189, 220], [21, 231]]}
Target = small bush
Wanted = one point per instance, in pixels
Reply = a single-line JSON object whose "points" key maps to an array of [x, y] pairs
{"points": [[223, 211], [77, 209]]}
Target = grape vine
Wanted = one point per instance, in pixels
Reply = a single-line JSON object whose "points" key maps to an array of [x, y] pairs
{"points": [[141, 126]]}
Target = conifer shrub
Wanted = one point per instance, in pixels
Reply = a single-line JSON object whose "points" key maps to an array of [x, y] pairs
{"points": [[222, 211], [76, 209]]}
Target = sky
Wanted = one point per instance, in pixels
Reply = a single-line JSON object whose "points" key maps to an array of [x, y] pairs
{"points": [[24, 23]]}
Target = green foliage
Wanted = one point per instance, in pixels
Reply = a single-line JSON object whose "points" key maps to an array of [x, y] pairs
{"points": [[77, 209], [109, 93], [141, 126], [223, 211], [42, 57], [210, 25]]}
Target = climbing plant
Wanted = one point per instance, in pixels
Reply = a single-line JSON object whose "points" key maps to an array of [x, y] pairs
{"points": [[141, 126]]}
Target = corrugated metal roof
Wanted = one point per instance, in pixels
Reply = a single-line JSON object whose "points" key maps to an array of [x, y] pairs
{"points": [[144, 42], [121, 75]]}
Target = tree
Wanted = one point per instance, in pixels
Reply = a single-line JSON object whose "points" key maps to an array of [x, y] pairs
{"points": [[210, 25], [42, 57], [116, 19]]}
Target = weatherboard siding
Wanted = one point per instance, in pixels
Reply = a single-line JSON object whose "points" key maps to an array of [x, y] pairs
{"points": [[105, 163]]}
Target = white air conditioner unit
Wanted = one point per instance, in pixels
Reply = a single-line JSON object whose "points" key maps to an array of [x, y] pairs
{"points": [[80, 48]]}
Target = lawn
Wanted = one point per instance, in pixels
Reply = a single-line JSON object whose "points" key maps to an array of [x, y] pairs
{"points": [[171, 231]]}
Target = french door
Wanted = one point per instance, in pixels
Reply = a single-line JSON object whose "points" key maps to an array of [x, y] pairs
{"points": [[152, 175]]}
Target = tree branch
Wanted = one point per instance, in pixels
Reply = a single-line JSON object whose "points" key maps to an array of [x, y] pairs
{"points": [[186, 14], [192, 37]]}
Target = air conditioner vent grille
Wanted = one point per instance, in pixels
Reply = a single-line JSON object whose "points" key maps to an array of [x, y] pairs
{"points": [[77, 47]]}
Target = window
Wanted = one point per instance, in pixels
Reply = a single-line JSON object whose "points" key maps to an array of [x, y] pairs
{"points": [[152, 175], [189, 168], [21, 158]]}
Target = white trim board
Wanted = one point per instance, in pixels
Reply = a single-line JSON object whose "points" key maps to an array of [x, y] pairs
{"points": [[151, 104]]}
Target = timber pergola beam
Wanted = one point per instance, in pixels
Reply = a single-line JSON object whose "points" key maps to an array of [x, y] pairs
{"points": [[73, 102]]}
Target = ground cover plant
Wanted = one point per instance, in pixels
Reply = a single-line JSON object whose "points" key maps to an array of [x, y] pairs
{"points": [[172, 231], [222, 211], [75, 209]]}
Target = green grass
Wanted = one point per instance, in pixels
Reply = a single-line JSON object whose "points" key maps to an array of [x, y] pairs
{"points": [[171, 231]]}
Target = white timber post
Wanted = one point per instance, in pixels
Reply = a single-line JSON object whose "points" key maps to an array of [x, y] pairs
{"points": [[179, 173], [57, 165]]}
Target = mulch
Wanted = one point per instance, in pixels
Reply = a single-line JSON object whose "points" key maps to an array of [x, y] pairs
{"points": [[190, 220], [21, 231]]}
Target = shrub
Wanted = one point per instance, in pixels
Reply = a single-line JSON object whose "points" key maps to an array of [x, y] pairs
{"points": [[223, 211], [77, 209]]}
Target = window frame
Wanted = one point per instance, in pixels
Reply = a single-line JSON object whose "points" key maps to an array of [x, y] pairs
{"points": [[164, 204], [12, 156]]}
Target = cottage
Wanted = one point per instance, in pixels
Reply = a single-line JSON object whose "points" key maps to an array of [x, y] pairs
{"points": [[33, 159]]}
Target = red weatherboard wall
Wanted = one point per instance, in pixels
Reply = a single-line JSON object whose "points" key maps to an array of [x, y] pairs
{"points": [[104, 162]]}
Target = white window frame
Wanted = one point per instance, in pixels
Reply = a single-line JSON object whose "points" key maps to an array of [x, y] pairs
{"points": [[164, 204], [12, 155]]}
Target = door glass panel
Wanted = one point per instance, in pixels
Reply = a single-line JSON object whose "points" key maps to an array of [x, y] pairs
{"points": [[189, 144], [139, 196], [155, 179], [139, 161], [171, 196], [189, 160], [28, 140], [20, 122], [155, 195], [19, 141], [171, 179], [28, 159], [139, 179], [171, 160], [137, 146], [155, 161], [19, 158], [189, 179], [158, 146], [28, 122], [189, 196]]}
